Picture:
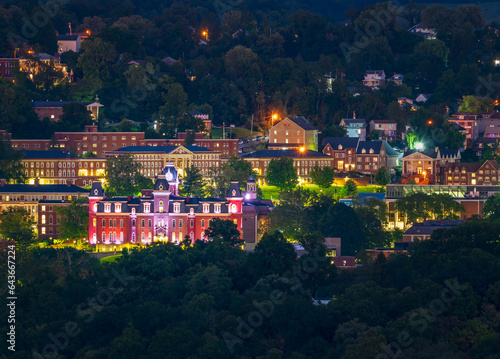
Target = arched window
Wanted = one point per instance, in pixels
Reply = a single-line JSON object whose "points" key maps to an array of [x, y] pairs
{"points": [[173, 237], [133, 237], [161, 207], [121, 237], [150, 236], [191, 236], [103, 237], [94, 238], [143, 236], [233, 208]]}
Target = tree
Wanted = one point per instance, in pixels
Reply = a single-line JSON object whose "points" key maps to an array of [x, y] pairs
{"points": [[382, 176], [96, 59], [282, 174], [476, 104], [190, 138], [323, 177], [419, 205], [273, 255], [75, 117], [11, 167], [491, 208], [225, 230], [73, 219], [18, 225], [123, 177], [236, 169], [193, 182], [349, 189]]}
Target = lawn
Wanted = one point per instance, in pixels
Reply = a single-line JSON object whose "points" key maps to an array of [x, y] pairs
{"points": [[271, 192], [110, 258]]}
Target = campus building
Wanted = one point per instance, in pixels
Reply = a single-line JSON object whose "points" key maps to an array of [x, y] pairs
{"points": [[161, 215]]}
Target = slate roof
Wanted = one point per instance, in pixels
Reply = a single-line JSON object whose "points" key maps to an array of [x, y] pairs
{"points": [[284, 153], [303, 123], [427, 227], [42, 188], [67, 37], [28, 154], [165, 149], [346, 142], [389, 150], [56, 104], [470, 166], [367, 145]]}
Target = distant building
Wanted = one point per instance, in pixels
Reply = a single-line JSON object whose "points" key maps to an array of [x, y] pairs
{"points": [[429, 34], [160, 215], [427, 166], [423, 97], [396, 79], [355, 127], [40, 200], [293, 133], [423, 231], [8, 66], [470, 174], [386, 129], [374, 78], [343, 152], [68, 43], [53, 110], [303, 162]]}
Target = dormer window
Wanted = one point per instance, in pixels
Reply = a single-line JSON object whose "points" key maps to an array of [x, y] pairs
{"points": [[206, 207], [340, 147], [371, 150], [133, 210], [107, 207], [118, 207], [363, 151], [217, 208], [147, 207], [177, 207]]}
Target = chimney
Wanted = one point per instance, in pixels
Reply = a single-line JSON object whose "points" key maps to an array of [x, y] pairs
{"points": [[68, 183], [2, 182], [37, 182]]}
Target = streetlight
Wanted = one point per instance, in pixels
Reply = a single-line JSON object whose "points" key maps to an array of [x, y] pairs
{"points": [[419, 146], [205, 34], [274, 117]]}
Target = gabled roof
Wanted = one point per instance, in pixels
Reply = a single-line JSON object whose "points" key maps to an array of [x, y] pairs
{"points": [[303, 123], [376, 146], [164, 149], [345, 142], [427, 227], [68, 37], [375, 72], [28, 154], [349, 121], [56, 104], [389, 150], [383, 121], [42, 188], [285, 153]]}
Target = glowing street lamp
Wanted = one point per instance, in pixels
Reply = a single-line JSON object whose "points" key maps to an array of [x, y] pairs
{"points": [[205, 34], [274, 117], [419, 146]]}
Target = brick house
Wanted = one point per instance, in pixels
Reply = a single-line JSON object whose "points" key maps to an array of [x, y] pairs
{"points": [[343, 152], [160, 215], [293, 133], [386, 129], [54, 109], [480, 173]]}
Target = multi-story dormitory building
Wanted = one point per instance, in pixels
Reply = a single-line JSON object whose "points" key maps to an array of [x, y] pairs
{"points": [[160, 215], [99, 143], [40, 200]]}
